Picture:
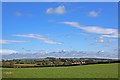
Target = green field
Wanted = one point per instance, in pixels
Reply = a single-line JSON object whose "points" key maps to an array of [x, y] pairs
{"points": [[85, 71]]}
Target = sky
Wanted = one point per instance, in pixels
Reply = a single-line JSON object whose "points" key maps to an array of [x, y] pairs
{"points": [[79, 26], [60, 0]]}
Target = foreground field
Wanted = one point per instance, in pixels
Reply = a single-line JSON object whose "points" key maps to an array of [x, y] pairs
{"points": [[86, 71]]}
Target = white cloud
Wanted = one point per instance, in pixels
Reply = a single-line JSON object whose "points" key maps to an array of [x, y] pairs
{"points": [[94, 29], [10, 41], [38, 36], [18, 13], [73, 24], [94, 13], [7, 51], [102, 51], [101, 39], [113, 36], [58, 10], [99, 30], [50, 11]]}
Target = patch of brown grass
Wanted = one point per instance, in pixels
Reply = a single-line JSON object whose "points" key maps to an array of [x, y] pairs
{"points": [[7, 72]]}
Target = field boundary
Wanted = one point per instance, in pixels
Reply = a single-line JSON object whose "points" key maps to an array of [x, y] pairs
{"points": [[60, 79]]}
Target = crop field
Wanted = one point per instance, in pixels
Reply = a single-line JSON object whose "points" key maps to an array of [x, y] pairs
{"points": [[84, 71]]}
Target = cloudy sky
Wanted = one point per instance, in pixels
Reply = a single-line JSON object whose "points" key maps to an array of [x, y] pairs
{"points": [[60, 26]]}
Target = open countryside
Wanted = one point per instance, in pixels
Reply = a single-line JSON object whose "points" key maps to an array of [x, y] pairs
{"points": [[59, 40], [84, 71]]}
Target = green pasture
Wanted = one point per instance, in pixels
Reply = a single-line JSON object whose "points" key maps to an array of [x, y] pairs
{"points": [[84, 71]]}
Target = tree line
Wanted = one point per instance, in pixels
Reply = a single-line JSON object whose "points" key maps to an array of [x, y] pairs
{"points": [[53, 62]]}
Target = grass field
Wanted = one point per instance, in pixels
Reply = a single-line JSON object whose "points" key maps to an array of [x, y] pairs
{"points": [[85, 71]]}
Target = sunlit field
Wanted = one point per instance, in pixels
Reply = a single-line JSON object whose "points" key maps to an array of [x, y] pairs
{"points": [[84, 71]]}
